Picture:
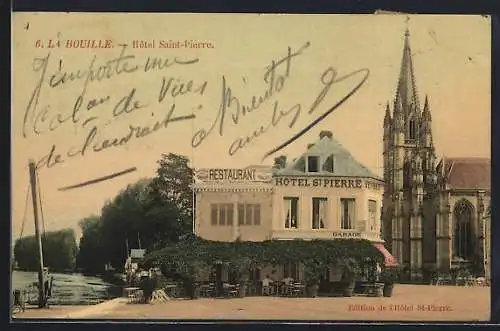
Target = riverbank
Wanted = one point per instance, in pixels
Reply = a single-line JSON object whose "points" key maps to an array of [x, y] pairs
{"points": [[68, 289], [409, 303]]}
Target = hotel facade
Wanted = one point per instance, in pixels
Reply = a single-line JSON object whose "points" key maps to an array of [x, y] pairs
{"points": [[323, 194]]}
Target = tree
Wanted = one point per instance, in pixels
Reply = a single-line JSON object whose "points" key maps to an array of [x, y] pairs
{"points": [[121, 221], [280, 162], [90, 256], [170, 201], [173, 180], [59, 251], [148, 214]]}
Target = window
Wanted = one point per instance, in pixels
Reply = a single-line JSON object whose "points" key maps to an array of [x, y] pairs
{"points": [[412, 129], [241, 214], [312, 164], [256, 215], [319, 212], [347, 214], [248, 214], [229, 214], [222, 214], [291, 218], [214, 215], [372, 214], [328, 165], [407, 176], [462, 237]]}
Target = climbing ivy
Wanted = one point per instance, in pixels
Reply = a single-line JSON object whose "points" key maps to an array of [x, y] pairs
{"points": [[193, 255]]}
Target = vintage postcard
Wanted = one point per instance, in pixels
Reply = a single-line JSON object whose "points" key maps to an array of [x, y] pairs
{"points": [[251, 167]]}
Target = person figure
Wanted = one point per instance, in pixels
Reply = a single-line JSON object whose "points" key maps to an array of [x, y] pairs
{"points": [[379, 272], [266, 285], [46, 283], [288, 280]]}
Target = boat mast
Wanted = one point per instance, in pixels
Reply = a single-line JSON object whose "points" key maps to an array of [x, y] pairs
{"points": [[41, 289]]}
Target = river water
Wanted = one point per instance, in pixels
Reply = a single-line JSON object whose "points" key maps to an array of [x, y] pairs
{"points": [[69, 289]]}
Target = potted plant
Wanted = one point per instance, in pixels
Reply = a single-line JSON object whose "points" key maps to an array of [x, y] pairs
{"points": [[312, 274], [351, 271], [243, 286], [389, 276]]}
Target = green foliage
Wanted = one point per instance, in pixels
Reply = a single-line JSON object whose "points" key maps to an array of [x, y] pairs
{"points": [[192, 256], [390, 275], [149, 214], [90, 256], [59, 251]]}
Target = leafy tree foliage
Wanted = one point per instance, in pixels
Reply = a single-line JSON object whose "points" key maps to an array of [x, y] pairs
{"points": [[90, 255], [148, 214], [59, 251]]}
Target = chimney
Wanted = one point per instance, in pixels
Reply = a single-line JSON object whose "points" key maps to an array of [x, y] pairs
{"points": [[323, 134], [309, 146]]}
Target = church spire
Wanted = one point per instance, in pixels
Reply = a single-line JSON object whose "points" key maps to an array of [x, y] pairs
{"points": [[387, 118], [407, 92], [426, 114]]}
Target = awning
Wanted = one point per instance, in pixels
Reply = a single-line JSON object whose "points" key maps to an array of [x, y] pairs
{"points": [[389, 260]]}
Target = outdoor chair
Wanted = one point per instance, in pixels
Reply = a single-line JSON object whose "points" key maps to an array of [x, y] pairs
{"points": [[443, 281], [298, 290], [267, 290], [207, 290], [136, 296], [234, 290]]}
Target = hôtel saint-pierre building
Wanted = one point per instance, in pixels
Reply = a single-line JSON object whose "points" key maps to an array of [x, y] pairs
{"points": [[322, 194]]}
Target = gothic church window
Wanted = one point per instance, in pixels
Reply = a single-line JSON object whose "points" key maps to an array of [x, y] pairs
{"points": [[407, 176], [462, 233], [412, 129]]}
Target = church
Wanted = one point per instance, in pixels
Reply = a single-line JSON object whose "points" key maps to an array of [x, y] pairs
{"points": [[436, 213]]}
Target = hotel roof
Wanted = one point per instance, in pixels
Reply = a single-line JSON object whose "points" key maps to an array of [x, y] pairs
{"points": [[344, 164]]}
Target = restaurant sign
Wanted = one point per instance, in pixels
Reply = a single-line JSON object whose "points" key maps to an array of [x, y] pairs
{"points": [[346, 235], [233, 175]]}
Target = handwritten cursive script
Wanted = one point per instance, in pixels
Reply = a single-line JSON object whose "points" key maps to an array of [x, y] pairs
{"points": [[275, 78], [95, 113], [42, 118]]}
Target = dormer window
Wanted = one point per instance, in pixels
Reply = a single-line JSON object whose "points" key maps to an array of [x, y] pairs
{"points": [[329, 164], [313, 163]]}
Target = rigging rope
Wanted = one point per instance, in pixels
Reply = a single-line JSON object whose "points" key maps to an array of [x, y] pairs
{"points": [[25, 210], [40, 202]]}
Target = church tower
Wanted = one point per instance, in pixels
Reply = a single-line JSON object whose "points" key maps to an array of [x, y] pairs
{"points": [[409, 174]]}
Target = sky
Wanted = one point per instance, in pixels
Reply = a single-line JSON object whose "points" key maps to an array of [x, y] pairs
{"points": [[451, 57]]}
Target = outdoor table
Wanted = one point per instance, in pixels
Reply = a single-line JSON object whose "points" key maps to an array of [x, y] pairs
{"points": [[171, 290], [206, 290], [287, 289], [128, 291]]}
